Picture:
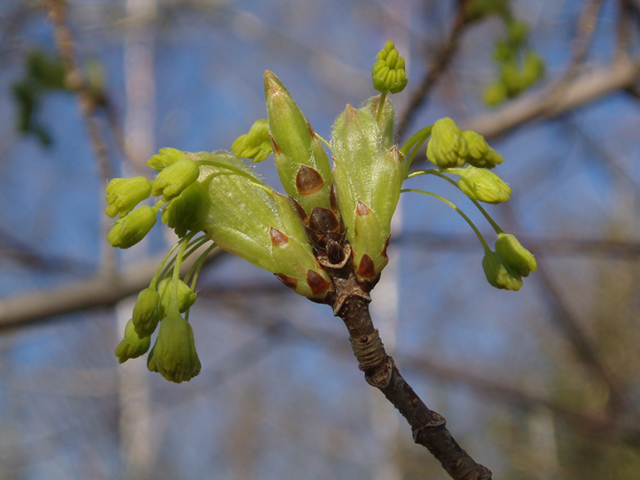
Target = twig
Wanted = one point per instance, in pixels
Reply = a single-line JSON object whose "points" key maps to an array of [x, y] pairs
{"points": [[429, 429], [438, 65], [76, 82]]}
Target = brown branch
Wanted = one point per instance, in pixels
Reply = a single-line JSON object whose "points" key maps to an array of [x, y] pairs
{"points": [[439, 64], [76, 82], [351, 303]]}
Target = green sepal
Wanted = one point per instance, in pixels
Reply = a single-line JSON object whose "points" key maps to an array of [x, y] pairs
{"points": [[483, 185], [172, 180], [129, 230], [174, 354], [515, 255], [481, 155], [186, 296], [124, 194], [447, 147], [187, 212], [131, 346], [165, 158], [256, 144], [146, 313], [499, 273], [294, 145]]}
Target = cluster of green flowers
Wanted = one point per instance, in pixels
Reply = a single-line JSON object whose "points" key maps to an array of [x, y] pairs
{"points": [[329, 219], [520, 67]]}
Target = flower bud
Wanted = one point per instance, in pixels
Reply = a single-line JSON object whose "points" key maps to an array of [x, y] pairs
{"points": [[188, 211], [499, 273], [259, 225], [519, 259], [368, 179], [512, 76], [302, 163], [131, 346], [186, 296], [255, 144], [174, 354], [388, 74], [129, 230], [533, 69], [481, 155], [517, 32], [447, 147], [123, 194], [146, 313], [495, 93], [172, 180], [483, 185], [165, 158]]}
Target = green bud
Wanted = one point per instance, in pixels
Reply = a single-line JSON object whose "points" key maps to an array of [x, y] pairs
{"points": [[367, 178], [447, 147], [259, 225], [296, 264], [174, 354], [129, 230], [123, 194], [171, 181], [187, 212], [517, 32], [519, 259], [477, 9], [302, 163], [499, 273], [512, 77], [481, 155], [388, 74], [146, 313], [186, 296], [165, 158], [533, 69], [495, 93], [504, 51], [483, 185], [255, 144], [131, 346]]}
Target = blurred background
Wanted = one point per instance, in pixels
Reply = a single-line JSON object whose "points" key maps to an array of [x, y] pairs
{"points": [[539, 384]]}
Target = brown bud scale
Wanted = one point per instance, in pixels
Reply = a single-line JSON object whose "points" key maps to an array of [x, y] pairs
{"points": [[308, 180], [384, 249], [278, 238], [317, 283], [288, 281], [274, 146], [362, 209], [366, 269]]}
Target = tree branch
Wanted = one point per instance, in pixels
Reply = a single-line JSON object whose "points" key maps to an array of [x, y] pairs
{"points": [[351, 303]]}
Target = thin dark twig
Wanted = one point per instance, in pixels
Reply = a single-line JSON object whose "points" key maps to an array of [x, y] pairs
{"points": [[438, 65]]}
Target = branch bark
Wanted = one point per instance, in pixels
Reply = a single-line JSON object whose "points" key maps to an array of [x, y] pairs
{"points": [[351, 303]]}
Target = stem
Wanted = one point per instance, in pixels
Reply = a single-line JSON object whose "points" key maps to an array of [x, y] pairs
{"points": [[193, 246], [197, 265], [380, 371], [319, 137], [383, 97], [442, 199], [437, 173], [173, 304]]}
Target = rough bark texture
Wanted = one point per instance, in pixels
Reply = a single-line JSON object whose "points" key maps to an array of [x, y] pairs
{"points": [[351, 303]]}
